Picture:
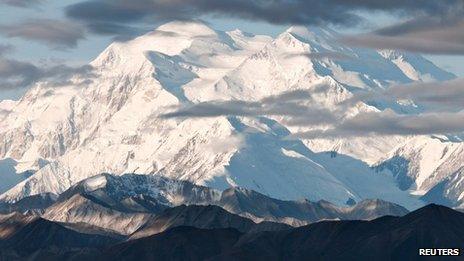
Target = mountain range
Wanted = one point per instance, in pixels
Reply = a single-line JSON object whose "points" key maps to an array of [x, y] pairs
{"points": [[386, 238], [105, 210], [123, 204], [212, 233], [112, 121]]}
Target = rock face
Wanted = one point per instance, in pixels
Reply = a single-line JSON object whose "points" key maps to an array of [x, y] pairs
{"points": [[110, 121]]}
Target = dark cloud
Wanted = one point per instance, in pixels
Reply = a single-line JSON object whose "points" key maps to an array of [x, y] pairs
{"points": [[389, 123], [447, 95], [338, 12], [110, 28], [59, 34], [286, 104], [119, 31], [16, 74]]}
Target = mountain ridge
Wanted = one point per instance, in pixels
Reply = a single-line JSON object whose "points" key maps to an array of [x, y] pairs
{"points": [[201, 232], [140, 198], [385, 238]]}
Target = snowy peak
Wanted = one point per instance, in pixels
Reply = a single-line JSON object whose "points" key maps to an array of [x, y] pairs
{"points": [[317, 35], [166, 191], [416, 67], [413, 66], [187, 28], [169, 39]]}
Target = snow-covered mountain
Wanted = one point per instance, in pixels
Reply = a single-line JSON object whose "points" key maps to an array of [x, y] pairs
{"points": [[111, 123]]}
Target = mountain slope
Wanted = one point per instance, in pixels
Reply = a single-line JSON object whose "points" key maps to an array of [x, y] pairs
{"points": [[27, 237], [35, 204], [180, 243], [208, 217], [430, 166], [259, 207], [382, 239], [123, 204]]}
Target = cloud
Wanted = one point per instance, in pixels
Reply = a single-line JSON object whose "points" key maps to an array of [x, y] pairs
{"points": [[447, 40], [444, 112], [286, 104], [322, 55], [16, 74], [116, 13], [443, 96], [6, 49], [21, 3], [389, 123], [440, 33], [298, 110], [59, 34]]}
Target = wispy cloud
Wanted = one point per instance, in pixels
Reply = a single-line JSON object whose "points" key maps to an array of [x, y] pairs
{"points": [[16, 74], [322, 55], [21, 3], [6, 49], [298, 109], [390, 123], [437, 33], [59, 34], [286, 104], [443, 101], [447, 95], [448, 41]]}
